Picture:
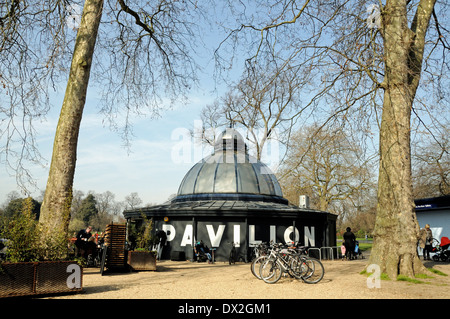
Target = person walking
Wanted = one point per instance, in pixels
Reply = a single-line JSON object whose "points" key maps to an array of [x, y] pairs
{"points": [[349, 243], [425, 241]]}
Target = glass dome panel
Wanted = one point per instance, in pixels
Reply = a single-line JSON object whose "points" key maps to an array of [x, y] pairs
{"points": [[225, 179], [188, 183], [248, 183], [205, 178], [265, 182], [276, 185]]}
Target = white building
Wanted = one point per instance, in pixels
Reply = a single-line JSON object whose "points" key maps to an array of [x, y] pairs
{"points": [[435, 212]]}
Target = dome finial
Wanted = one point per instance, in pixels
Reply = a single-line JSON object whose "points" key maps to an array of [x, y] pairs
{"points": [[230, 139]]}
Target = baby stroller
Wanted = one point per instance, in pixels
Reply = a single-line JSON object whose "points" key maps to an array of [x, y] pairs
{"points": [[358, 253], [202, 252], [441, 252], [93, 253]]}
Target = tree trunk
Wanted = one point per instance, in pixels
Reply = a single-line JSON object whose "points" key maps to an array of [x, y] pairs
{"points": [[396, 227], [55, 210]]}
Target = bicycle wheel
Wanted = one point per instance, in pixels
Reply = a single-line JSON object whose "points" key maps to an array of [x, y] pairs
{"points": [[314, 270], [256, 264], [270, 271], [298, 267]]}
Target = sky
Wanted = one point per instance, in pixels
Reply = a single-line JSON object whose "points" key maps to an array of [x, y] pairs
{"points": [[160, 154], [161, 151]]}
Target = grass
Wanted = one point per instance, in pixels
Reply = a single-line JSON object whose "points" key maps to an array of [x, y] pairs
{"points": [[365, 246], [437, 272], [409, 279], [383, 275], [362, 246], [423, 276], [415, 280]]}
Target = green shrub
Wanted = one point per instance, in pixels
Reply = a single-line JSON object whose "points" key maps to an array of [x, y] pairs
{"points": [[23, 234], [144, 238]]}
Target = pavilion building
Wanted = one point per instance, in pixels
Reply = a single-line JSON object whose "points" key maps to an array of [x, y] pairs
{"points": [[231, 197]]}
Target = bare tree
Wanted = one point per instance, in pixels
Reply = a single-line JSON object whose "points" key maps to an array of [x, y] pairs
{"points": [[34, 42], [366, 68], [143, 54], [431, 166], [404, 45], [55, 210], [328, 166], [106, 206], [264, 103], [133, 200]]}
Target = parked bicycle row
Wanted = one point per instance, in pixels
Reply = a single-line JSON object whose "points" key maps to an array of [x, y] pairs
{"points": [[275, 260]]}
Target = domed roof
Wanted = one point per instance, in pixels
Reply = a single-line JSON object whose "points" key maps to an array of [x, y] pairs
{"points": [[230, 173]]}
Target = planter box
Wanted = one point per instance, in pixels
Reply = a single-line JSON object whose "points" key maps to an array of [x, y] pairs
{"points": [[141, 260], [40, 278]]}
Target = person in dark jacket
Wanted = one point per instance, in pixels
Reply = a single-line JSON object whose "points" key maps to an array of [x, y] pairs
{"points": [[162, 237], [349, 243], [82, 239]]}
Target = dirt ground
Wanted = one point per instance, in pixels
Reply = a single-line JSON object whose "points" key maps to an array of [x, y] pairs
{"points": [[192, 280]]}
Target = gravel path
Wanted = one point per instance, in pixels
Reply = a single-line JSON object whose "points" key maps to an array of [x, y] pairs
{"points": [[191, 280]]}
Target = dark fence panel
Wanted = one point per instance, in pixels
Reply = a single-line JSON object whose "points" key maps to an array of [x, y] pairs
{"points": [[39, 278]]}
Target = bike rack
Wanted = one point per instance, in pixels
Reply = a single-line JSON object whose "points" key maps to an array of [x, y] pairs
{"points": [[328, 248]]}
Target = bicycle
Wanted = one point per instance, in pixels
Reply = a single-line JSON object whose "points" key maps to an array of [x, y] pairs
{"points": [[262, 254], [265, 252], [258, 251], [310, 269], [275, 265], [291, 261]]}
